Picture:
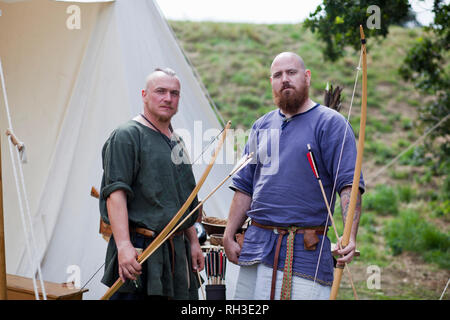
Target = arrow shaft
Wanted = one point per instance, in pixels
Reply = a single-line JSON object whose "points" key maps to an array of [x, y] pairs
{"points": [[313, 165]]}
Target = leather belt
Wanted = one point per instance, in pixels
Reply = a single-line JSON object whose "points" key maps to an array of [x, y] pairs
{"points": [[145, 232], [310, 241], [150, 234], [106, 231]]}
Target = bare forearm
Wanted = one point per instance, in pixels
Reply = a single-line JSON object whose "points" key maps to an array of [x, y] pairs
{"points": [[191, 234], [116, 204], [345, 203], [238, 213], [196, 250], [236, 218], [118, 216]]}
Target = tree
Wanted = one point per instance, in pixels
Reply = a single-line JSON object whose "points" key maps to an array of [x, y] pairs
{"points": [[426, 66], [337, 22]]}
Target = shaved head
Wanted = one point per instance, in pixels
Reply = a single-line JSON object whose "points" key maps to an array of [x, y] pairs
{"points": [[158, 73], [161, 95], [290, 83], [288, 55]]}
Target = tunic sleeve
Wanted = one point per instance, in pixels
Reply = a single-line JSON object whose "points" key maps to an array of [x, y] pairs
{"points": [[333, 133], [243, 180], [120, 163]]}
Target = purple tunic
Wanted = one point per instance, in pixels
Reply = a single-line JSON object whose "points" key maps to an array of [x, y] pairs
{"points": [[284, 189]]}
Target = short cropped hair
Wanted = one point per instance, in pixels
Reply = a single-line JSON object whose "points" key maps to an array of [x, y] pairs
{"points": [[167, 71]]}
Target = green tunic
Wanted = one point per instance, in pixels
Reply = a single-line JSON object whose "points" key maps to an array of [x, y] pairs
{"points": [[138, 160]]}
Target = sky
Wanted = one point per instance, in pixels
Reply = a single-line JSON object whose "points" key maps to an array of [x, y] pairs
{"points": [[258, 11]]}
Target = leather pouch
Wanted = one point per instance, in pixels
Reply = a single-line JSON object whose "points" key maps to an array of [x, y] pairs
{"points": [[310, 239]]}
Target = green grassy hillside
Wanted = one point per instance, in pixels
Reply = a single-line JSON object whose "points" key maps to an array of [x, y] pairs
{"points": [[404, 229]]}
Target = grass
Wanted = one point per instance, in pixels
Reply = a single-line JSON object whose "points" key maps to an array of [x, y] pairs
{"points": [[383, 201], [410, 232]]}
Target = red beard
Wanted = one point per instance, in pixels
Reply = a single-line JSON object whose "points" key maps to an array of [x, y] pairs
{"points": [[290, 102]]}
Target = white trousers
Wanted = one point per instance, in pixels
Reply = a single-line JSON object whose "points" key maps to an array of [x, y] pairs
{"points": [[254, 283]]}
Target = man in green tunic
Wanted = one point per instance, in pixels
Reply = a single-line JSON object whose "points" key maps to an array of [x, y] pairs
{"points": [[142, 189]]}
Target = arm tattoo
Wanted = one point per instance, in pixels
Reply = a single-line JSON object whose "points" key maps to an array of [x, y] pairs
{"points": [[345, 203]]}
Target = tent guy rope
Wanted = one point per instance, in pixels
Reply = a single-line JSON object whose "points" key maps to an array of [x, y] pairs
{"points": [[3, 285], [29, 234]]}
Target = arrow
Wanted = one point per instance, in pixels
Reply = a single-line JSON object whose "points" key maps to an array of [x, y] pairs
{"points": [[312, 163]]}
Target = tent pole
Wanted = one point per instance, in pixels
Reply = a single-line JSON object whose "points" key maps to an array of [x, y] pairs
{"points": [[3, 291]]}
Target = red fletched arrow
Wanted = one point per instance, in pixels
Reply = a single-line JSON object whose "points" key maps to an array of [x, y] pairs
{"points": [[312, 162]]}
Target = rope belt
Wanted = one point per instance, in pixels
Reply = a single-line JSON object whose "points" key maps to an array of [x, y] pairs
{"points": [[310, 242]]}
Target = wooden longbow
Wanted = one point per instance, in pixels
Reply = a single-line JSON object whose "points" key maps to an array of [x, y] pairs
{"points": [[357, 173]]}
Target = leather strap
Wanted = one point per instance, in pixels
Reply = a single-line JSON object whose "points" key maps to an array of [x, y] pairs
{"points": [[105, 230], [275, 266], [172, 249], [145, 232], [284, 230], [150, 233]]}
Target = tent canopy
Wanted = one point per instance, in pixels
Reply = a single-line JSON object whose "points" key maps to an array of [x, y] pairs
{"points": [[67, 90]]}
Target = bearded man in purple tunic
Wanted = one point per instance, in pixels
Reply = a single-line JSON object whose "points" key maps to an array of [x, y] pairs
{"points": [[286, 253]]}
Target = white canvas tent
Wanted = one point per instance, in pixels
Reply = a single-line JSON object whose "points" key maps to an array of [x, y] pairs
{"points": [[67, 90]]}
